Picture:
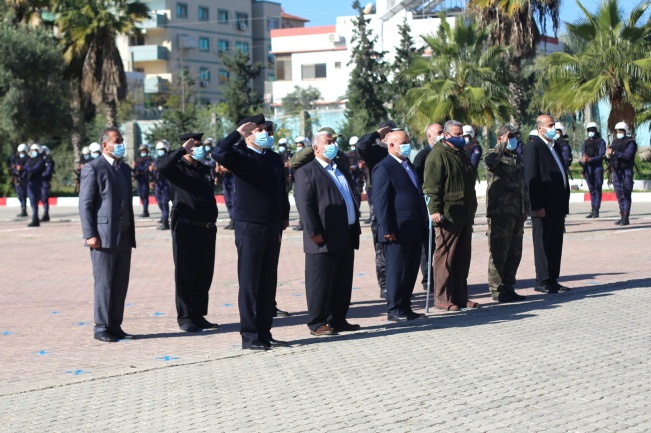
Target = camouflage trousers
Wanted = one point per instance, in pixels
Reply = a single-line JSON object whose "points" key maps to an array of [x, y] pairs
{"points": [[505, 244]]}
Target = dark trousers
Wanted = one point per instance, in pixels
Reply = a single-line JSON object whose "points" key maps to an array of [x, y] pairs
{"points": [[547, 234], [258, 249], [34, 194], [229, 194], [595, 179], [162, 193], [45, 196], [452, 264], [143, 193], [194, 263], [425, 261], [21, 193], [623, 186], [403, 260], [328, 287], [111, 268]]}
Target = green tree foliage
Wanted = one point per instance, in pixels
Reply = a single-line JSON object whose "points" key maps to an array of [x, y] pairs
{"points": [[515, 23], [240, 98], [302, 98], [89, 31], [367, 88], [466, 80], [402, 81], [175, 122], [608, 60]]}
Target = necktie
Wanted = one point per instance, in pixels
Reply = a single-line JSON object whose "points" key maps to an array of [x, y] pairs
{"points": [[410, 172]]}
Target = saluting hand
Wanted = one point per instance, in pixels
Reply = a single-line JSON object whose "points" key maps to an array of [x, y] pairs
{"points": [[188, 145], [94, 242], [384, 131], [247, 129]]}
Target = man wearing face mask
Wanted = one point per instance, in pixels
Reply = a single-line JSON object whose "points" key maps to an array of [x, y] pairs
{"points": [[622, 156], [507, 207], [325, 201], [106, 214], [142, 175], [560, 138], [593, 152], [472, 148], [450, 187], [161, 186], [33, 175], [402, 224], [16, 164], [434, 134], [549, 195], [261, 214], [95, 150], [194, 212]]}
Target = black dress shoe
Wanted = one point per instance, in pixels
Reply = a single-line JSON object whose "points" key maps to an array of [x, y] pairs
{"points": [[383, 293], [546, 288], [345, 327], [45, 218], [34, 223], [413, 316], [190, 327], [106, 336], [503, 297], [281, 313], [255, 345], [298, 228], [275, 343], [120, 334], [397, 318], [203, 323], [561, 289]]}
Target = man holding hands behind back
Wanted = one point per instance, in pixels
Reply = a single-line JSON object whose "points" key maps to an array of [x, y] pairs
{"points": [[402, 224]]}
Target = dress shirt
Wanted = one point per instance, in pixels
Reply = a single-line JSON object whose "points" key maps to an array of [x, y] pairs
{"points": [[550, 145], [342, 185]]}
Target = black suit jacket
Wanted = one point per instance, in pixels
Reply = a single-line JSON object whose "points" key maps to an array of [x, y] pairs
{"points": [[544, 178], [419, 162], [399, 205], [323, 209]]}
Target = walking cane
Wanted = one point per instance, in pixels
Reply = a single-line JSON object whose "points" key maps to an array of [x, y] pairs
{"points": [[429, 255]]}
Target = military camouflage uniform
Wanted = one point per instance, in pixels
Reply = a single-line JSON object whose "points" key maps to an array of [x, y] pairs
{"points": [[507, 205]]}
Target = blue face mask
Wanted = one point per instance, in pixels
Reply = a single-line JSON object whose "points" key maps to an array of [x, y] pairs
{"points": [[207, 148], [405, 150], [161, 152], [22, 155], [143, 154], [551, 133], [118, 150], [198, 153], [330, 151], [512, 144], [456, 141], [33, 153], [298, 149], [95, 155], [263, 140]]}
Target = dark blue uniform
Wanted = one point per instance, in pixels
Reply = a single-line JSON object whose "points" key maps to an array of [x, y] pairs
{"points": [[162, 193], [33, 175], [142, 175], [20, 184], [46, 184], [594, 149], [622, 162], [260, 211], [473, 152]]}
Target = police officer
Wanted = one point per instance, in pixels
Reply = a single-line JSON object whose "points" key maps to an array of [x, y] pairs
{"points": [[46, 182], [561, 139], [95, 150], [194, 212], [33, 175], [356, 172], [84, 158], [301, 144], [142, 175], [16, 163], [208, 161], [472, 149], [622, 157], [507, 206], [592, 160], [161, 186]]}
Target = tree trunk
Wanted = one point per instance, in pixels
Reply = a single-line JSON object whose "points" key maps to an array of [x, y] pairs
{"points": [[78, 136], [515, 87], [111, 114]]}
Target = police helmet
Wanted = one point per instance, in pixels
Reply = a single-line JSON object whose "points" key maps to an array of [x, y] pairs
{"points": [[162, 145], [353, 140], [592, 125], [622, 125], [22, 147], [85, 150], [468, 130], [282, 141], [561, 126], [35, 147], [45, 150], [94, 147], [533, 133]]}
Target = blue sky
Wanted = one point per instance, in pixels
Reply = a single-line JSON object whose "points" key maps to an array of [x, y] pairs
{"points": [[325, 13]]}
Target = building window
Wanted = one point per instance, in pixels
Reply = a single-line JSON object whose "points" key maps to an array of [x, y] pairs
{"points": [[337, 65], [222, 46], [273, 23], [204, 74], [271, 76], [241, 21], [242, 46], [284, 67], [181, 10], [137, 40], [222, 16], [223, 75], [204, 44], [312, 72], [204, 13]]}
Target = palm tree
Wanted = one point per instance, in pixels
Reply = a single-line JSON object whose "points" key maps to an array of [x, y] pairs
{"points": [[465, 79], [515, 23], [608, 61], [89, 30]]}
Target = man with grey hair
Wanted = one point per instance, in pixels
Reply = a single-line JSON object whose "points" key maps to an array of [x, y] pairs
{"points": [[449, 184], [331, 230]]}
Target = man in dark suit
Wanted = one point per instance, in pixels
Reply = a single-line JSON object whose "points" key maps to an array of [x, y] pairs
{"points": [[549, 194], [106, 213], [261, 214], [402, 224], [434, 134], [326, 204]]}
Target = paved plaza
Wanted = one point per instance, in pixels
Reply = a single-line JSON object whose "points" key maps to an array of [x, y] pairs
{"points": [[573, 362]]}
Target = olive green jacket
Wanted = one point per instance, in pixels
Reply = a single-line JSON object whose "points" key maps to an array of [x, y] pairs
{"points": [[506, 194], [449, 184]]}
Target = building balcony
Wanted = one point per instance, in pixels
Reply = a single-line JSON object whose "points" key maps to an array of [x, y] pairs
{"points": [[154, 21], [148, 53], [156, 84]]}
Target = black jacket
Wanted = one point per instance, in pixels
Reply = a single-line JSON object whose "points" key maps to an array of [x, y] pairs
{"points": [[544, 178]]}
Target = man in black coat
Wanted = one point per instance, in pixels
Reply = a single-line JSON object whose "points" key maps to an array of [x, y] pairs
{"points": [[402, 224], [549, 194], [326, 204], [260, 215]]}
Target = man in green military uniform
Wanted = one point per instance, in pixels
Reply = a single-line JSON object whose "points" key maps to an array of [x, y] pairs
{"points": [[507, 206]]}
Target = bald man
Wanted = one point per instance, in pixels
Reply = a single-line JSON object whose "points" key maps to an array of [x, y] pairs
{"points": [[549, 194], [402, 224]]}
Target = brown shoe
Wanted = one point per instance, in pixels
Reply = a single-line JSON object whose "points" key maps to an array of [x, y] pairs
{"points": [[324, 330], [471, 304], [447, 307]]}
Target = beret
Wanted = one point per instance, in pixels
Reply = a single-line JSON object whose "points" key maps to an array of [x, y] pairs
{"points": [[188, 135], [390, 123], [258, 119], [329, 130]]}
